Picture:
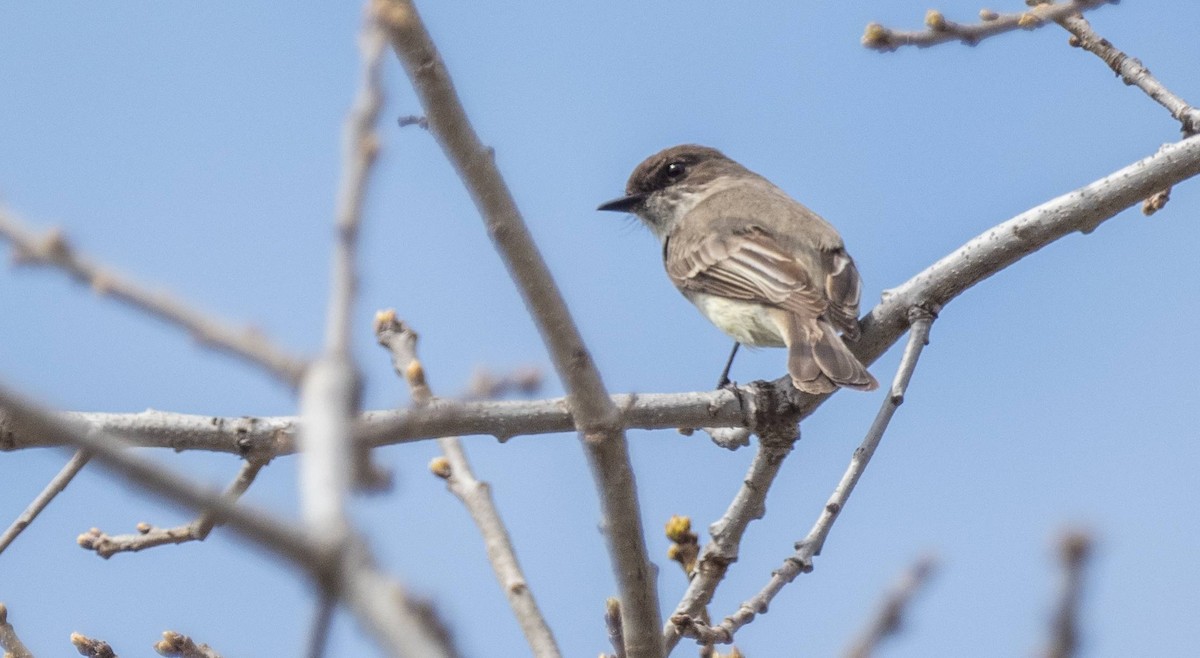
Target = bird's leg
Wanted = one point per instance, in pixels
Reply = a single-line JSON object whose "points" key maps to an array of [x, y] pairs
{"points": [[724, 381]]}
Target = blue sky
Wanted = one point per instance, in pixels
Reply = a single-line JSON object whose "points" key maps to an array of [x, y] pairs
{"points": [[198, 148]]}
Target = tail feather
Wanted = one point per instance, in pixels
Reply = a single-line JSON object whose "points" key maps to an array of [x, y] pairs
{"points": [[818, 360]]}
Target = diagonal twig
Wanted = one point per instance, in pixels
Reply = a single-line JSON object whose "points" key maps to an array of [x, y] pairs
{"points": [[52, 249], [686, 624], [889, 618], [1131, 71], [596, 418], [940, 30], [148, 536], [453, 467], [53, 488]]}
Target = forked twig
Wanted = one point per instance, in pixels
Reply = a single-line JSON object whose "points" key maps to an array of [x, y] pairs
{"points": [[688, 625]]}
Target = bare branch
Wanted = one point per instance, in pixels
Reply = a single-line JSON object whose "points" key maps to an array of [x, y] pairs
{"points": [[53, 250], [149, 536], [1075, 548], [178, 645], [453, 467], [1131, 71], [9, 641], [941, 30], [86, 646], [685, 623], [612, 622], [318, 636], [113, 454], [596, 418], [55, 487], [889, 618]]}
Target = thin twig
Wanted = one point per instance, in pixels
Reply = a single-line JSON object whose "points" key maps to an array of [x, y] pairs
{"points": [[86, 646], [53, 488], [401, 342], [353, 574], [889, 617], [612, 622], [1075, 548], [1131, 71], [178, 645], [112, 453], [941, 30], [148, 536], [801, 561], [318, 636], [52, 249], [9, 641], [597, 419]]}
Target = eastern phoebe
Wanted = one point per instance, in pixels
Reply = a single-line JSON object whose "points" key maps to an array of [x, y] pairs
{"points": [[761, 267]]}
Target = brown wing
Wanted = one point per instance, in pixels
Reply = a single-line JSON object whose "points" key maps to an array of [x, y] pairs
{"points": [[747, 266], [843, 288]]}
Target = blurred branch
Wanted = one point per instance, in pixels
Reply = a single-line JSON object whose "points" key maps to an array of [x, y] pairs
{"points": [[148, 536], [53, 488], [53, 250], [889, 617], [178, 645], [12, 645], [318, 636], [86, 646], [687, 624], [940, 30], [453, 467], [596, 417], [1075, 548]]}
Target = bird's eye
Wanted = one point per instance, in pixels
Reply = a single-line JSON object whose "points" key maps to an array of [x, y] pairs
{"points": [[675, 170]]}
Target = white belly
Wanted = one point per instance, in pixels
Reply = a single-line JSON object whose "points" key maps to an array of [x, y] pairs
{"points": [[746, 322]]}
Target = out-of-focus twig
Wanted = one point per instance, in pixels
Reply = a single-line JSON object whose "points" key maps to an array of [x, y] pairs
{"points": [[148, 536], [889, 617], [802, 560], [9, 641], [178, 645], [318, 636], [612, 622], [86, 646], [941, 30], [453, 467], [53, 488], [52, 249], [1075, 548], [596, 418]]}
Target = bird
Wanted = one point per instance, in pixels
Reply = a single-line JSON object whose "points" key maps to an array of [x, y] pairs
{"points": [[762, 267]]}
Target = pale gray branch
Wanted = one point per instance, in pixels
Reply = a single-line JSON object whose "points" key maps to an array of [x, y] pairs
{"points": [[596, 417], [453, 467], [53, 250], [1131, 71], [148, 536], [55, 487], [941, 30]]}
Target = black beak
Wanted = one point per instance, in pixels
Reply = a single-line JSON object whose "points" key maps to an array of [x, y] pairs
{"points": [[624, 204]]}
